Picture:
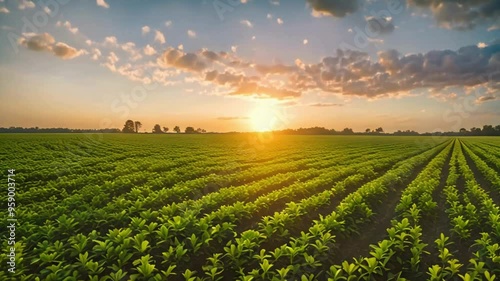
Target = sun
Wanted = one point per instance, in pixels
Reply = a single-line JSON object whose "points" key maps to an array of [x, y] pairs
{"points": [[263, 118]]}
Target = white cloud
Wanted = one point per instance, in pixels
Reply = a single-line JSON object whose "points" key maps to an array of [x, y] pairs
{"points": [[145, 29], [4, 10], [180, 47], [96, 53], [26, 4], [149, 51], [168, 23], [253, 37], [191, 33], [68, 26], [159, 37], [247, 23], [482, 45], [494, 27], [88, 42], [47, 10], [279, 21], [305, 41], [102, 3], [111, 40], [269, 16], [234, 48]]}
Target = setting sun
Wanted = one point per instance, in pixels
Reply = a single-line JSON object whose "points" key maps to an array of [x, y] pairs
{"points": [[264, 118]]}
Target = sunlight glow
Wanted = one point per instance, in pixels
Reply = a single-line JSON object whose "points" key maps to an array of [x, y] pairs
{"points": [[264, 118]]}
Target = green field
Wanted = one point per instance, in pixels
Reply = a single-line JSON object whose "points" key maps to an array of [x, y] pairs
{"points": [[251, 207]]}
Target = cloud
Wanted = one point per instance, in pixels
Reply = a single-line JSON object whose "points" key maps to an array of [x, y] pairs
{"points": [[47, 10], [229, 118], [336, 8], [186, 61], [380, 25], [159, 37], [326, 104], [96, 54], [68, 26], [246, 23], [102, 3], [145, 30], [279, 21], [234, 48], [149, 51], [460, 15], [38, 42], [191, 33], [485, 98], [26, 4], [305, 41], [65, 51], [168, 23], [275, 2], [254, 89], [4, 10], [494, 27], [269, 16], [482, 45], [45, 42]]}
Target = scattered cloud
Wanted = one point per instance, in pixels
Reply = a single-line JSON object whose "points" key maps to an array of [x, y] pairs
{"points": [[460, 15], [279, 21], [68, 26], [102, 3], [305, 41], [234, 48], [379, 26], [246, 23], [4, 10], [47, 10], [269, 16], [168, 23], [149, 51], [190, 62], [336, 8], [145, 29], [494, 27], [274, 2], [45, 42], [26, 4], [482, 45], [159, 37], [191, 33]]}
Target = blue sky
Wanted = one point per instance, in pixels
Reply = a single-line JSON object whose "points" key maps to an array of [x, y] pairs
{"points": [[227, 65]]}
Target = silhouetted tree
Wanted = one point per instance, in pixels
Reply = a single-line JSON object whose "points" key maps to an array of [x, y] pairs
{"points": [[347, 131], [199, 130], [177, 129], [379, 130], [128, 127], [189, 130], [157, 129], [463, 130], [475, 131], [165, 129], [488, 130], [368, 130], [138, 125], [204, 131]]}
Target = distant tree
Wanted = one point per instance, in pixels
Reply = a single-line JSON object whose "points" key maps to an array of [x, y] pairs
{"points": [[475, 131], [488, 130], [165, 129], [204, 131], [157, 129], [379, 130], [347, 131], [128, 127], [138, 125], [463, 130], [368, 130], [177, 129], [199, 130], [189, 130]]}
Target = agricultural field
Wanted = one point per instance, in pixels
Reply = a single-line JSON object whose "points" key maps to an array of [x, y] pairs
{"points": [[250, 207]]}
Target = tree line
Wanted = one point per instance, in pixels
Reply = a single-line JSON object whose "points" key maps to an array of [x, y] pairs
{"points": [[134, 126]]}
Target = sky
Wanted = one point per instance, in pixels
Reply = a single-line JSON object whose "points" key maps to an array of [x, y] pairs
{"points": [[250, 65]]}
